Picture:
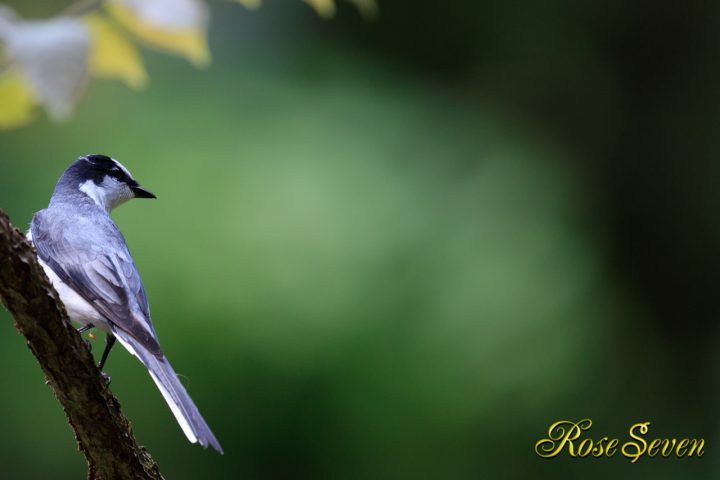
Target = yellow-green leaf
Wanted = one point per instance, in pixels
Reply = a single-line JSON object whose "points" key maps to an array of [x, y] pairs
{"points": [[367, 8], [188, 40], [324, 8], [112, 55], [17, 104], [250, 4]]}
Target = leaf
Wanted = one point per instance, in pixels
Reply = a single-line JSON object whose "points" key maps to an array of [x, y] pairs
{"points": [[250, 4], [52, 57], [367, 8], [324, 8], [173, 26], [114, 56], [17, 105]]}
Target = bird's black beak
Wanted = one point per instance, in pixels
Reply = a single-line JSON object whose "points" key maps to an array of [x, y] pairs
{"points": [[142, 193]]}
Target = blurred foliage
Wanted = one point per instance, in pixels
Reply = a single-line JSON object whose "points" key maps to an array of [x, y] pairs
{"points": [[47, 62], [383, 254]]}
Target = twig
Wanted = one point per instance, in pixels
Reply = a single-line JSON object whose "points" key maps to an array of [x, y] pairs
{"points": [[102, 432]]}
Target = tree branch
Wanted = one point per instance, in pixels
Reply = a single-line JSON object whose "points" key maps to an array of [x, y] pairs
{"points": [[102, 432]]}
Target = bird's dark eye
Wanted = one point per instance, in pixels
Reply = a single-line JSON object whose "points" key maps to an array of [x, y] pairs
{"points": [[115, 172]]}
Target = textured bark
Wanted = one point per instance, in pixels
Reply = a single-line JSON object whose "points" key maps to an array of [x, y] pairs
{"points": [[102, 432]]}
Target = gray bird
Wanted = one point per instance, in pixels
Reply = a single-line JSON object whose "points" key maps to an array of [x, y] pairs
{"points": [[87, 260]]}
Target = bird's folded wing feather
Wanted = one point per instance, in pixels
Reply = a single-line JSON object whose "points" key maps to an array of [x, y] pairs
{"points": [[100, 269]]}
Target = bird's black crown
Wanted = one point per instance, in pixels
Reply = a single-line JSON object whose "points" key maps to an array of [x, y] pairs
{"points": [[96, 167]]}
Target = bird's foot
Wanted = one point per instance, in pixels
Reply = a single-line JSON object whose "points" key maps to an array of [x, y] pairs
{"points": [[88, 344]]}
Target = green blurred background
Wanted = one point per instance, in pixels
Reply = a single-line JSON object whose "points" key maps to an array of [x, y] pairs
{"points": [[403, 248]]}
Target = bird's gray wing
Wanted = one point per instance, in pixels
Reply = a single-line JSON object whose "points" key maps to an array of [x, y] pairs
{"points": [[89, 254]]}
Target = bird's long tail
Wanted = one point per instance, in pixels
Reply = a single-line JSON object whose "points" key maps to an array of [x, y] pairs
{"points": [[182, 406]]}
